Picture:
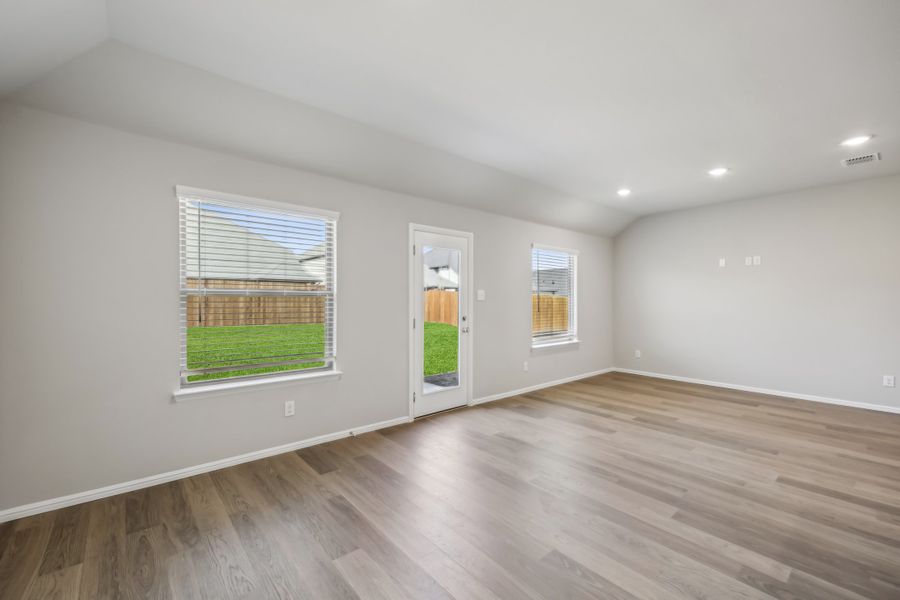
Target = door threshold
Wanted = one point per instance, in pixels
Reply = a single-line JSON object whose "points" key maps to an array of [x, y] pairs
{"points": [[440, 412]]}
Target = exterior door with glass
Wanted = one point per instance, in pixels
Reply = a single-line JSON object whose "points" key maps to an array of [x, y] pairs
{"points": [[440, 320]]}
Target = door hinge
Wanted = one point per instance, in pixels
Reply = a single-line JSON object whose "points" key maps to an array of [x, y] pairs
{"points": [[414, 322], [414, 397], [414, 249]]}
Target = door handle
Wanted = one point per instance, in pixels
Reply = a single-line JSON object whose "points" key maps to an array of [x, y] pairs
{"points": [[465, 330]]}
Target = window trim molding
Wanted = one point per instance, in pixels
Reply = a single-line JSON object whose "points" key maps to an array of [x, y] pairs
{"points": [[572, 341], [536, 348], [295, 209], [536, 246], [226, 385]]}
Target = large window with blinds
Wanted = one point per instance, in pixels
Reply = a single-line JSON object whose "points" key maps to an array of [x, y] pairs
{"points": [[257, 287], [553, 299]]}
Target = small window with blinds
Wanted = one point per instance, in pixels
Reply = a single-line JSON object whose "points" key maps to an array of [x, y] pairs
{"points": [[257, 287], [553, 301]]}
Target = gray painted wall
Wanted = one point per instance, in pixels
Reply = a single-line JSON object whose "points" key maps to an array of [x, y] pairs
{"points": [[89, 346], [820, 315], [89, 307]]}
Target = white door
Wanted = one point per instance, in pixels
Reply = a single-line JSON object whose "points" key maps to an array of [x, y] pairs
{"points": [[440, 320]]}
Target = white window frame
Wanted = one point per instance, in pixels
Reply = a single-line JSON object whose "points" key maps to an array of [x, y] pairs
{"points": [[572, 337], [205, 387]]}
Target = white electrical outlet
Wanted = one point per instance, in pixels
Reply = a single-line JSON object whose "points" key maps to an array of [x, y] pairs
{"points": [[637, 353], [888, 381], [757, 260], [525, 366], [289, 408], [748, 260], [480, 295], [721, 262]]}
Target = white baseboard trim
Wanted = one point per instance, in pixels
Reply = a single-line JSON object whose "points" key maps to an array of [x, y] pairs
{"points": [[34, 508], [749, 388], [27, 510], [539, 386]]}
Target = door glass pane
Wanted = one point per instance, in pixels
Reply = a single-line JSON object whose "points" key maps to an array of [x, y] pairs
{"points": [[441, 308]]}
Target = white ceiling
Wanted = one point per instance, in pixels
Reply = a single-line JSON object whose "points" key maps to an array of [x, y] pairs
{"points": [[579, 97]]}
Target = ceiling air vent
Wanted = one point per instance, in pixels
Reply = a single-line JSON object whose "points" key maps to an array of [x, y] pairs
{"points": [[858, 160]]}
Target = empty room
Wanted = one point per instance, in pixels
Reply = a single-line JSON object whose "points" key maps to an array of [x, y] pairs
{"points": [[431, 299]]}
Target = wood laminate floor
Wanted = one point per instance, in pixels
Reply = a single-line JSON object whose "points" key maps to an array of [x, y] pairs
{"points": [[618, 487]]}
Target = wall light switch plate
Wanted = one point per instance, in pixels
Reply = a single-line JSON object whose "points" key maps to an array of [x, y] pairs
{"points": [[757, 260], [525, 366], [289, 408], [721, 262], [748, 261], [889, 381], [637, 353], [479, 295]]}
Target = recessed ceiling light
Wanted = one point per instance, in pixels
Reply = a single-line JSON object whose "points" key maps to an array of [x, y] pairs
{"points": [[718, 171], [624, 192], [856, 141]]}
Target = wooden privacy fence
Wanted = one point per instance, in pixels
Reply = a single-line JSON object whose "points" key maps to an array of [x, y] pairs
{"points": [[549, 313], [219, 311], [442, 306]]}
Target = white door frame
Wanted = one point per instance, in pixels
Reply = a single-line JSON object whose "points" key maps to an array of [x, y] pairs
{"points": [[470, 308]]}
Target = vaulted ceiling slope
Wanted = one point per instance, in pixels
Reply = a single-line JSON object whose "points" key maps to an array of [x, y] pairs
{"points": [[536, 109], [117, 85], [39, 35]]}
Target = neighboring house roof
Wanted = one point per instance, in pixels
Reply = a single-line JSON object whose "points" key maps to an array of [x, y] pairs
{"points": [[442, 278], [441, 268], [226, 250], [551, 281]]}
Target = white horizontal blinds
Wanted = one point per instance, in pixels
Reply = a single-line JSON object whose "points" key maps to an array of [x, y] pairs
{"points": [[553, 300], [257, 289]]}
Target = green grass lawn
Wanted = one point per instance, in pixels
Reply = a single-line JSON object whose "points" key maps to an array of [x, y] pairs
{"points": [[441, 348], [224, 346]]}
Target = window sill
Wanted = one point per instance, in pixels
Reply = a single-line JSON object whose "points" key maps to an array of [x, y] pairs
{"points": [[215, 389], [559, 345]]}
